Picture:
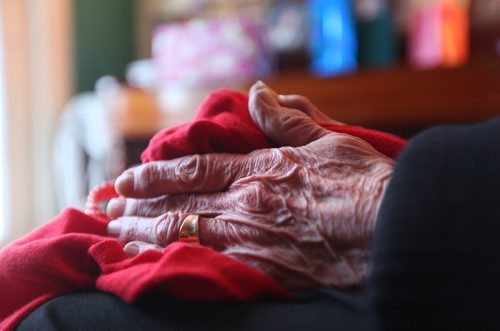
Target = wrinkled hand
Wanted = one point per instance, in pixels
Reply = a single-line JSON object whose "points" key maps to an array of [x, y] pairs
{"points": [[303, 214]]}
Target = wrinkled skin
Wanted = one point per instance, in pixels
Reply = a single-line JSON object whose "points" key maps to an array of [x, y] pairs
{"points": [[303, 214]]}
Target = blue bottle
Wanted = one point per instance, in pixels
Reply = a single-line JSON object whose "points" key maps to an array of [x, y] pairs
{"points": [[333, 44]]}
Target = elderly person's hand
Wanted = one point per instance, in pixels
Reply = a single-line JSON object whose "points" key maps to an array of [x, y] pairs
{"points": [[303, 214]]}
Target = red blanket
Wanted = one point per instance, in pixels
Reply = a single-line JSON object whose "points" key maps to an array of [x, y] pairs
{"points": [[72, 252]]}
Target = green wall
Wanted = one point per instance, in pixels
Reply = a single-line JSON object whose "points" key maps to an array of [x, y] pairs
{"points": [[104, 39]]}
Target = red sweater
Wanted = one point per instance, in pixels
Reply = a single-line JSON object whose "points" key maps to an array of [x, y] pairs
{"points": [[72, 251]]}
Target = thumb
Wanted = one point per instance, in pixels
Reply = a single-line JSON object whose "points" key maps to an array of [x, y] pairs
{"points": [[306, 106], [284, 126]]}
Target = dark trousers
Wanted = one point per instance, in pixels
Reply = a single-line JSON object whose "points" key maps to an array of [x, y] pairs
{"points": [[321, 310]]}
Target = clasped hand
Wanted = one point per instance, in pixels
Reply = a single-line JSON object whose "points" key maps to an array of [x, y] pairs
{"points": [[303, 213]]}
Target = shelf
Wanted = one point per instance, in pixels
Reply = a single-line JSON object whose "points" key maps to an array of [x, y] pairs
{"points": [[402, 100], [398, 100]]}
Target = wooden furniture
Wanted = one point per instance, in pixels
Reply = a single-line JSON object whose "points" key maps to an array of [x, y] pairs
{"points": [[402, 100]]}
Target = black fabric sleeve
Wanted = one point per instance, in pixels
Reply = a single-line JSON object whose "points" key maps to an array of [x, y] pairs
{"points": [[436, 253]]}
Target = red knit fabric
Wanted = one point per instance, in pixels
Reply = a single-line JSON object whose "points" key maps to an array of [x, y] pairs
{"points": [[72, 251]]}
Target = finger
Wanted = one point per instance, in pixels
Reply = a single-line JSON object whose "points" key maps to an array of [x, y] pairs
{"points": [[249, 195], [215, 232], [195, 173], [201, 203], [164, 230], [298, 102], [284, 126], [305, 105], [152, 207], [158, 230], [134, 248]]}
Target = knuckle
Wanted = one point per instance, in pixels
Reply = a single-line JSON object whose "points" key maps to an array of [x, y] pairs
{"points": [[285, 158], [192, 170], [147, 175], [226, 233], [160, 232], [166, 228], [271, 160], [260, 161], [146, 208], [252, 197], [129, 229], [284, 154]]}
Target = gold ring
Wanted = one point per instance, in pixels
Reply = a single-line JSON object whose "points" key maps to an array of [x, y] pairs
{"points": [[188, 232]]}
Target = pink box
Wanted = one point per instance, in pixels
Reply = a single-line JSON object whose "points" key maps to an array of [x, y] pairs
{"points": [[203, 52]]}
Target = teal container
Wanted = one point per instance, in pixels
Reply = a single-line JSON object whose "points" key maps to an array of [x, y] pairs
{"points": [[377, 41]]}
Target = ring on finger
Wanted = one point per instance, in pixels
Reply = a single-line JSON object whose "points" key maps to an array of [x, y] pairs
{"points": [[189, 230]]}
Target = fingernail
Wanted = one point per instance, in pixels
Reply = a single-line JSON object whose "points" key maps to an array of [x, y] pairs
{"points": [[125, 182], [131, 249], [114, 228], [116, 207], [261, 84]]}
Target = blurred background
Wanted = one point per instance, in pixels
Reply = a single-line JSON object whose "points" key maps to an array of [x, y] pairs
{"points": [[84, 84]]}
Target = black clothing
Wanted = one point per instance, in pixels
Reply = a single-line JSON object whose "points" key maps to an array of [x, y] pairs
{"points": [[321, 310], [437, 244]]}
